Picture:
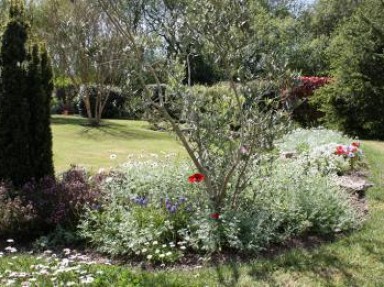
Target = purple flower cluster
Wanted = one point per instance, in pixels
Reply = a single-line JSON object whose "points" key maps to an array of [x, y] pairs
{"points": [[141, 200], [171, 206]]}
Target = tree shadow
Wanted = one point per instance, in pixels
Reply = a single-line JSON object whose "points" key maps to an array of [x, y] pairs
{"points": [[110, 129], [325, 267], [234, 274], [113, 130], [71, 120]]}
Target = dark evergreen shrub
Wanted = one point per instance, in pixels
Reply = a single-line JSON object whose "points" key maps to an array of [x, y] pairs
{"points": [[25, 95], [65, 97], [354, 101], [15, 160]]}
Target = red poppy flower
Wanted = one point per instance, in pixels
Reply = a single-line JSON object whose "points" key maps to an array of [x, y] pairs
{"points": [[197, 177], [215, 215], [356, 144]]}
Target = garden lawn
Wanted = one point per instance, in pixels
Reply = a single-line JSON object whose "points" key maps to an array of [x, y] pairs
{"points": [[356, 259], [76, 143]]}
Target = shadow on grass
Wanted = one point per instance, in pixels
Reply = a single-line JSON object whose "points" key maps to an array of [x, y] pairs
{"points": [[324, 267], [355, 261], [71, 120], [114, 130], [111, 129]]}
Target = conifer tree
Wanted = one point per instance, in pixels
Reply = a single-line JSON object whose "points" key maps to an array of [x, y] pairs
{"points": [[39, 78], [15, 161], [25, 91]]}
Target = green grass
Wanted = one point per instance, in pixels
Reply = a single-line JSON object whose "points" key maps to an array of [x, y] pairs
{"points": [[356, 259], [76, 143]]}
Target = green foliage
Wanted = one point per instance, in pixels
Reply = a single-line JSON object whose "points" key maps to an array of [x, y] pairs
{"points": [[64, 97], [353, 101], [16, 215], [40, 88], [313, 31], [151, 211], [146, 211], [25, 92]]}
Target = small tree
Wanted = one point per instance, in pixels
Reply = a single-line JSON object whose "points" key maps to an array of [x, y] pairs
{"points": [[87, 49], [226, 131], [25, 91]]}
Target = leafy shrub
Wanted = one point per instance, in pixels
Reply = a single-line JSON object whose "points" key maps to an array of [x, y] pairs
{"points": [[61, 202], [144, 211], [16, 215], [296, 99], [354, 101], [307, 85], [40, 207], [65, 98]]}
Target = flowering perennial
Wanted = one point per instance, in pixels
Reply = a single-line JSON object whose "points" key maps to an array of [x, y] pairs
{"points": [[197, 177], [350, 151]]}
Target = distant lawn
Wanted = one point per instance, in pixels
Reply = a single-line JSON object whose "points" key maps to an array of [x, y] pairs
{"points": [[76, 143]]}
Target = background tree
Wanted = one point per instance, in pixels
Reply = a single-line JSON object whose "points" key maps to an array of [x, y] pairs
{"points": [[39, 93], [354, 101], [86, 49], [314, 28], [25, 91]]}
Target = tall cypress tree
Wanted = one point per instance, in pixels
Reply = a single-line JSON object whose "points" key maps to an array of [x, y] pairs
{"points": [[46, 163], [15, 161], [39, 96], [25, 90]]}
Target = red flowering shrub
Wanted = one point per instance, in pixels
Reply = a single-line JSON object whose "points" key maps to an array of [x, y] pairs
{"points": [[296, 99], [307, 85]]}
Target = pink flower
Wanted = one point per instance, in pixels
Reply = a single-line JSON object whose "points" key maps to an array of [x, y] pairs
{"points": [[244, 150], [340, 150], [353, 148]]}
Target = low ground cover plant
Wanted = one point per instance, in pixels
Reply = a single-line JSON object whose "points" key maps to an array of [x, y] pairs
{"points": [[160, 213]]}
